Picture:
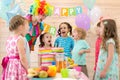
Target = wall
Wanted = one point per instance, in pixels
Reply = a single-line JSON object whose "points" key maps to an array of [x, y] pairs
{"points": [[109, 8]]}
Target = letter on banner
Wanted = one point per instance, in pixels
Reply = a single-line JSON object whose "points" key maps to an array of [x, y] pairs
{"points": [[47, 27], [78, 10], [64, 12], [57, 11], [52, 30], [72, 11]]}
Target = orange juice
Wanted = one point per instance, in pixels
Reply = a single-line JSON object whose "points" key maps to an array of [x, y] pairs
{"points": [[60, 65]]}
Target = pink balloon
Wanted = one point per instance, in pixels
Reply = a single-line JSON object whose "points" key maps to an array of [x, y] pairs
{"points": [[82, 21]]}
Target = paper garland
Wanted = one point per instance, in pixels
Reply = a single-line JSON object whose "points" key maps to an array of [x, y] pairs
{"points": [[67, 11], [50, 29], [41, 7]]}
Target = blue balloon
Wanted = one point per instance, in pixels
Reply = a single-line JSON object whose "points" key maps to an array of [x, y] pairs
{"points": [[89, 3], [15, 11], [5, 6], [7, 2], [3, 10]]}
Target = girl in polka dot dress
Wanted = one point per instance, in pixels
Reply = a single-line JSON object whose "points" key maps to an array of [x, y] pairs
{"points": [[107, 66], [15, 64]]}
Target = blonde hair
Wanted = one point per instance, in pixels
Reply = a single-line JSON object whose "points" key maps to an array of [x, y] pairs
{"points": [[16, 21], [79, 31]]}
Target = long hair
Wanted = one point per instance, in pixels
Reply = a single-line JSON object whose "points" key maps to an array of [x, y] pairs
{"points": [[69, 27], [42, 44], [110, 31]]}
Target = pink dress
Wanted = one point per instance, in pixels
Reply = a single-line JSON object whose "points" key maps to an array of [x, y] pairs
{"points": [[13, 69]]}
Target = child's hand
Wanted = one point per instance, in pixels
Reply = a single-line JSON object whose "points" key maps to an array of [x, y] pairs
{"points": [[81, 52], [103, 74]]}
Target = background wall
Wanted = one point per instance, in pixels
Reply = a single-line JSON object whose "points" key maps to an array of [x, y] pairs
{"points": [[108, 7]]}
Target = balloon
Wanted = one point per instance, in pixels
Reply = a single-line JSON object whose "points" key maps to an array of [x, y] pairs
{"points": [[95, 14], [15, 11], [89, 3], [7, 2], [84, 9], [3, 10], [82, 21]]}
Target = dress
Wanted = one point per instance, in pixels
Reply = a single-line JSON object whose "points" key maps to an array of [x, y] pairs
{"points": [[113, 71], [67, 43], [14, 69]]}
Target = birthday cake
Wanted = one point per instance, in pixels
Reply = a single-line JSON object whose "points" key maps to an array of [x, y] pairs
{"points": [[50, 50], [57, 50]]}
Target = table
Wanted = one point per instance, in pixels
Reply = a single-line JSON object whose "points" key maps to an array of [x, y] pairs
{"points": [[59, 77]]}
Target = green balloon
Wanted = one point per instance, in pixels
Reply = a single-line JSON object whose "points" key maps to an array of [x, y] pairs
{"points": [[89, 3]]}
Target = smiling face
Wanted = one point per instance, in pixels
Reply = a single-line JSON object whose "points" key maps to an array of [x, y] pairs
{"points": [[34, 20], [47, 39], [79, 33], [76, 35], [64, 30], [40, 18]]}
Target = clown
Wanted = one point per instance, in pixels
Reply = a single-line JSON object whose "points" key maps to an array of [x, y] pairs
{"points": [[35, 19]]}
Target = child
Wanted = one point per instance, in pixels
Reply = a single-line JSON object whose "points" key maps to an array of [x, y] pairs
{"points": [[97, 46], [15, 64], [107, 66], [64, 40], [80, 49], [46, 43]]}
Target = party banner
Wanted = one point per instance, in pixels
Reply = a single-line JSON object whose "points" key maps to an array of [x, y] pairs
{"points": [[41, 7], [50, 29], [68, 11]]}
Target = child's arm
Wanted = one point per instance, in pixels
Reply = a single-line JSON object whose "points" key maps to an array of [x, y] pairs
{"points": [[84, 51], [22, 54], [86, 48], [109, 60]]}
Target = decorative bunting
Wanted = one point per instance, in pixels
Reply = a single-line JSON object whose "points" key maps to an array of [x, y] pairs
{"points": [[50, 29], [41, 7]]}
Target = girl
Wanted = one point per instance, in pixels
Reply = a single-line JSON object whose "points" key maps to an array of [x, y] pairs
{"points": [[107, 67], [46, 43], [15, 64], [64, 40], [80, 49]]}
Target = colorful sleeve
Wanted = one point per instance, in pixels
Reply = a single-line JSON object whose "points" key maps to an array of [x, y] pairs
{"points": [[30, 26], [41, 26], [56, 43]]}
